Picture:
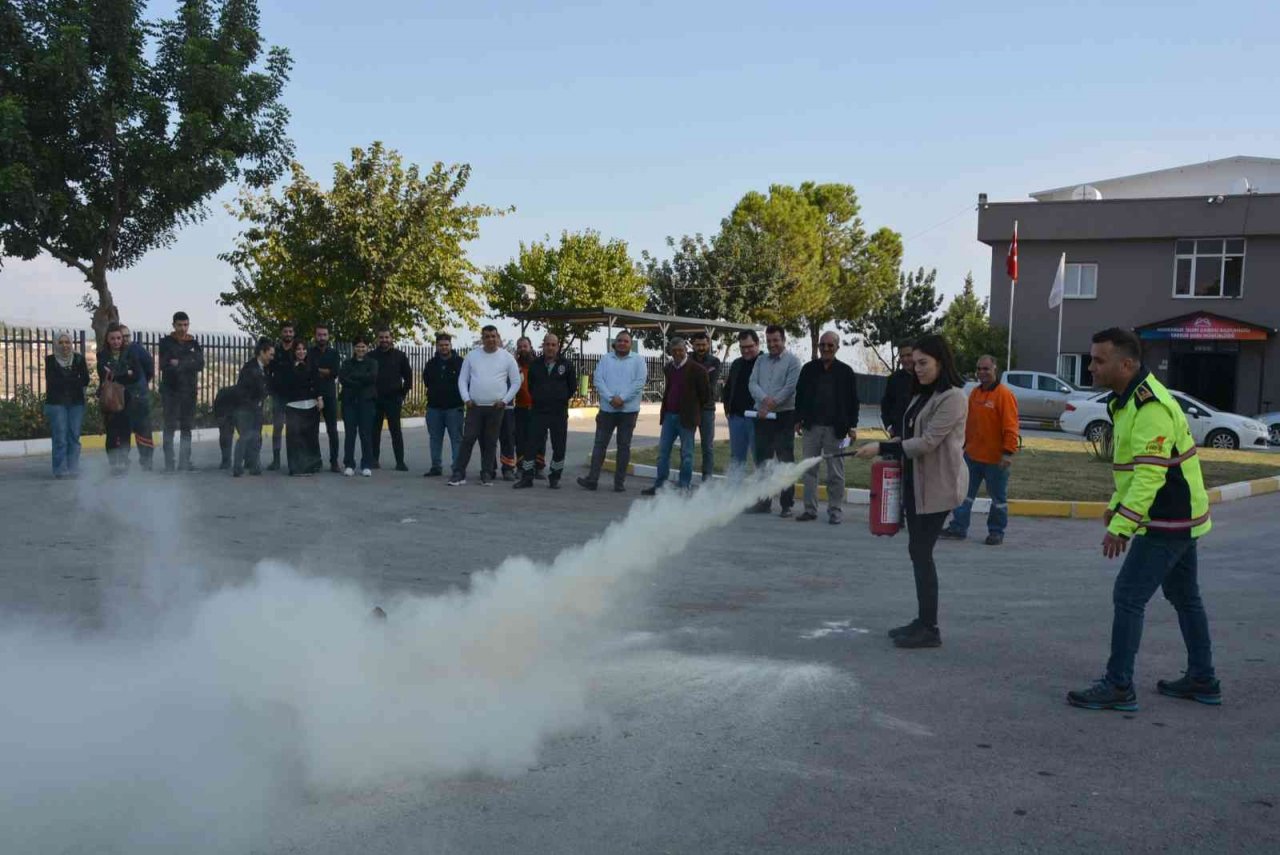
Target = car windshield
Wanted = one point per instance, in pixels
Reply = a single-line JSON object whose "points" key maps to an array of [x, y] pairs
{"points": [[1195, 402]]}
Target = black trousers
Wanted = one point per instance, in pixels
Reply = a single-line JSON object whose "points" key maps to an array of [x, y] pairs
{"points": [[523, 428], [482, 424], [357, 419], [541, 424], [179, 414], [302, 440], [249, 442], [388, 407], [776, 439], [606, 424], [922, 535], [118, 433], [139, 410], [277, 423], [330, 425], [227, 435], [515, 424]]}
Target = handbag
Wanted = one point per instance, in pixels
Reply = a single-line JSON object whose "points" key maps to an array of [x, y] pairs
{"points": [[110, 397]]}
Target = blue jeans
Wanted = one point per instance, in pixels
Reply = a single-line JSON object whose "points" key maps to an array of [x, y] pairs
{"points": [[742, 436], [438, 422], [64, 430], [997, 488], [1158, 562], [671, 428]]}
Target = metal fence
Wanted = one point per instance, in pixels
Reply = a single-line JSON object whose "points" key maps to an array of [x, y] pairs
{"points": [[22, 353], [23, 350]]}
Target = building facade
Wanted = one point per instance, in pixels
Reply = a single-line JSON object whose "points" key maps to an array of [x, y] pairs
{"points": [[1187, 257]]}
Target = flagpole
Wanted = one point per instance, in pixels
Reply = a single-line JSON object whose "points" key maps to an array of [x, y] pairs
{"points": [[1057, 365], [1013, 281]]}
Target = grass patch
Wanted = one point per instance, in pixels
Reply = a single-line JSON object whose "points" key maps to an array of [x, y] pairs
{"points": [[1050, 469]]}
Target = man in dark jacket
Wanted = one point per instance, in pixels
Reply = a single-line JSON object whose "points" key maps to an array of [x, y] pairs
{"points": [[552, 383], [327, 363], [710, 363], [252, 389], [738, 400], [284, 356], [826, 415], [897, 392], [140, 408], [395, 379], [181, 361], [686, 394], [445, 411]]}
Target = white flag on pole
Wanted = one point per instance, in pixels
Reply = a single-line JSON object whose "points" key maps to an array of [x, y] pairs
{"points": [[1059, 283]]}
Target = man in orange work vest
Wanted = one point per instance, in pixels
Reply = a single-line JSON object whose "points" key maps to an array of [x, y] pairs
{"points": [[990, 441]]}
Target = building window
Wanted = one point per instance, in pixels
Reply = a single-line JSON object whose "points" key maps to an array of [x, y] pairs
{"points": [[1074, 368], [1211, 268], [1081, 282]]}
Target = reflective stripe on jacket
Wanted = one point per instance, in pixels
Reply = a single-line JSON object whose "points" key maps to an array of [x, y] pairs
{"points": [[1159, 488]]}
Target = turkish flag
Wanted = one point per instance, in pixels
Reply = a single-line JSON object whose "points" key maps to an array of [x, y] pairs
{"points": [[1011, 262]]}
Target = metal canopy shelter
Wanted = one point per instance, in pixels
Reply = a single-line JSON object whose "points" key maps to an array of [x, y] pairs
{"points": [[610, 317]]}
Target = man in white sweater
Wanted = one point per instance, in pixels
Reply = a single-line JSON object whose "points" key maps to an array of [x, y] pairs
{"points": [[488, 382]]}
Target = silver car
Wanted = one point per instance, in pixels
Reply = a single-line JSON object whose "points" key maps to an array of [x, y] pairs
{"points": [[1272, 421], [1041, 397]]}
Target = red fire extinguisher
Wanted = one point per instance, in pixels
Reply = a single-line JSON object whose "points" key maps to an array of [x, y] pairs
{"points": [[886, 497]]}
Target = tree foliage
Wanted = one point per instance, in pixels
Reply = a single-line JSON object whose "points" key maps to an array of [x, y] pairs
{"points": [[115, 130], [966, 324], [581, 271], [386, 245], [828, 268], [906, 313]]}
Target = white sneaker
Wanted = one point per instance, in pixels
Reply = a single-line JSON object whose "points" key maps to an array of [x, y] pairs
{"points": [[457, 482], [366, 473], [348, 471]]}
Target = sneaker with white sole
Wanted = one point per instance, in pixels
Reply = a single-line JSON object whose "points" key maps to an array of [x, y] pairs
{"points": [[457, 481], [348, 472], [366, 473]]}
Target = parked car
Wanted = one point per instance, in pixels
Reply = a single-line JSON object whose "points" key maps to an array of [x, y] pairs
{"points": [[1041, 397], [1089, 418], [1272, 421]]}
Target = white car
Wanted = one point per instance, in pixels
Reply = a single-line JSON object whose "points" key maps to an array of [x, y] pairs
{"points": [[1210, 427], [1272, 421]]}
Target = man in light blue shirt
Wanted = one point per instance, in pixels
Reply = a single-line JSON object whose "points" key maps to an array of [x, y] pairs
{"points": [[773, 386], [620, 378]]}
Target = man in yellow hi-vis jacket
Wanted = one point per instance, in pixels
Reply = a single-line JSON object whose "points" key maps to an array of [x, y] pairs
{"points": [[1157, 512]]}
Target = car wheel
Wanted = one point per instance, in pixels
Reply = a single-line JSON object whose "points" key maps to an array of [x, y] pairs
{"points": [[1097, 431], [1222, 439], [1273, 433]]}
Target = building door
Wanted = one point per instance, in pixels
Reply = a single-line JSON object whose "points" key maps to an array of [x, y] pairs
{"points": [[1211, 377]]}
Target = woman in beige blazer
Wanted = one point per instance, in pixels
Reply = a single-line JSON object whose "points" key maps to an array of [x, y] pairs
{"points": [[935, 478]]}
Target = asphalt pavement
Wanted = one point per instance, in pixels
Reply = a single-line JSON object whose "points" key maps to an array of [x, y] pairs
{"points": [[752, 702]]}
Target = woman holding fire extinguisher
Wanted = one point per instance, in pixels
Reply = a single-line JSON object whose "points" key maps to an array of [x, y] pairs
{"points": [[930, 445]]}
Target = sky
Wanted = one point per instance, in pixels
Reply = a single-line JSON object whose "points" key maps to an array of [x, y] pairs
{"points": [[648, 119]]}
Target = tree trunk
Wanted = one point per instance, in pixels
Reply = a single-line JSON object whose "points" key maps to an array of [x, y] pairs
{"points": [[106, 312], [815, 332]]}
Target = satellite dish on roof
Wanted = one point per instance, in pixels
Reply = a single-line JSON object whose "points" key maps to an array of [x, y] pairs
{"points": [[1241, 187], [1086, 193]]}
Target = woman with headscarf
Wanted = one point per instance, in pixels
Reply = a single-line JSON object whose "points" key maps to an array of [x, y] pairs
{"points": [[117, 364], [66, 374], [930, 442], [297, 384]]}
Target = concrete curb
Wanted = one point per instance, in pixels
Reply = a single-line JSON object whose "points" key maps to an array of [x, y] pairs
{"points": [[1062, 509]]}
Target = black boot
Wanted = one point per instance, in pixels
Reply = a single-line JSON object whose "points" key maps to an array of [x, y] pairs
{"points": [[553, 481], [524, 483]]}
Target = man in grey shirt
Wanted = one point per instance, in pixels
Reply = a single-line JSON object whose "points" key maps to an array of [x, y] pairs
{"points": [[773, 387]]}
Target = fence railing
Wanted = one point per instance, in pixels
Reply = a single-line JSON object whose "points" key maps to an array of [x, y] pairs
{"points": [[23, 351]]}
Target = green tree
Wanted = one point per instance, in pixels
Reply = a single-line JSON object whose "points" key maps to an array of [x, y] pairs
{"points": [[385, 246], [905, 314], [581, 271], [830, 269], [966, 324], [115, 130]]}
